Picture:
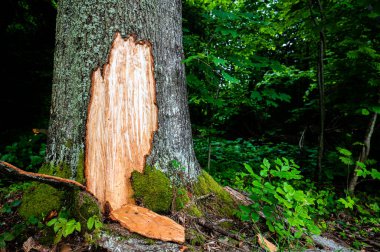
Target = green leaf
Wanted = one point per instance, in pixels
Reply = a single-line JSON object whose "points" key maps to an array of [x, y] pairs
{"points": [[90, 223], [8, 236], [298, 234], [58, 238], [98, 224], [248, 168], [255, 217], [375, 109], [365, 112], [51, 222], [229, 78], [344, 152], [219, 61], [255, 95], [375, 174], [346, 160], [78, 226]]}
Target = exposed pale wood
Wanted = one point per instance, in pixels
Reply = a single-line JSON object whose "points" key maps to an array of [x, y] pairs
{"points": [[13, 170], [122, 117], [265, 244], [147, 223]]}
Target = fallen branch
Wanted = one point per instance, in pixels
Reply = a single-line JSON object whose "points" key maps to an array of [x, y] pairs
{"points": [[7, 168], [204, 223], [220, 242], [211, 226]]}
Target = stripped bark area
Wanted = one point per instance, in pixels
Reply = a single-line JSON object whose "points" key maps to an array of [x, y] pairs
{"points": [[122, 118]]}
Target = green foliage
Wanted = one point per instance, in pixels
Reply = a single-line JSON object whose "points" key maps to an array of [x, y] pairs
{"points": [[63, 227], [274, 194], [228, 155], [361, 170], [347, 202], [27, 153], [6, 237], [94, 223]]}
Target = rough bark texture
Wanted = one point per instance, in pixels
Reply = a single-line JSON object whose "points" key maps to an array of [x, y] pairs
{"points": [[84, 35]]}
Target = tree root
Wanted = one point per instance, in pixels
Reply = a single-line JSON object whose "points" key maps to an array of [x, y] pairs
{"points": [[47, 179]]}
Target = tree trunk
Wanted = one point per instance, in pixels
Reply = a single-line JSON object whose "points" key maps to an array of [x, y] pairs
{"points": [[119, 100], [364, 153], [321, 88]]}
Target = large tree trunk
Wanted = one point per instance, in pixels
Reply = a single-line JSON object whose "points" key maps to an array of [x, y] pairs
{"points": [[119, 102]]}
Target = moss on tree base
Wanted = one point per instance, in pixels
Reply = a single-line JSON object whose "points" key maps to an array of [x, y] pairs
{"points": [[155, 191], [222, 204]]}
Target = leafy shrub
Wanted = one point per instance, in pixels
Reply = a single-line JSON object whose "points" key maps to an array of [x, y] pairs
{"points": [[228, 155], [63, 227], [288, 211], [27, 153]]}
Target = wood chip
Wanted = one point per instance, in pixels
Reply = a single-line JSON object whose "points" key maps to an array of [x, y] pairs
{"points": [[265, 244], [149, 224]]}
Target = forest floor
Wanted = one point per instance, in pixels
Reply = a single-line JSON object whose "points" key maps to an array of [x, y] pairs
{"points": [[211, 232]]}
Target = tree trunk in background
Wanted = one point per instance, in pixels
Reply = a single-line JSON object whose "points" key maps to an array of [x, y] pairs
{"points": [[321, 88], [119, 102], [321, 81], [364, 153]]}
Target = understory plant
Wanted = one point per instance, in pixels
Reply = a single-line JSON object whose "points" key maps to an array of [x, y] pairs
{"points": [[63, 227], [289, 212]]}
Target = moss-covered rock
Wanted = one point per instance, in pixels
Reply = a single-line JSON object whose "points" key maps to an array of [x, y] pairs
{"points": [[222, 203], [153, 190], [40, 199]]}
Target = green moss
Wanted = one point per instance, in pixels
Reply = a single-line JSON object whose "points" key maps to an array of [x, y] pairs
{"points": [[84, 207], [222, 203], [226, 225], [195, 238], [194, 211], [62, 170], [69, 144], [153, 190], [80, 169], [40, 200], [182, 198]]}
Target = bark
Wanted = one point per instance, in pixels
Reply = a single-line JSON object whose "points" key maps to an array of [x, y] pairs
{"points": [[321, 82], [321, 88], [85, 33]]}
